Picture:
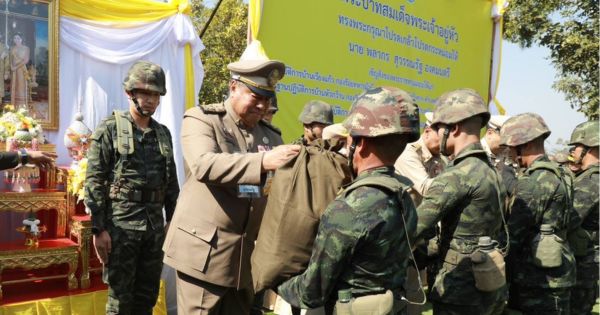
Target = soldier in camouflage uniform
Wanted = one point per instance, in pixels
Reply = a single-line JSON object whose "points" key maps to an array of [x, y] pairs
{"points": [[315, 116], [420, 162], [561, 157], [130, 177], [583, 234], [467, 199], [542, 198], [362, 248], [564, 159]]}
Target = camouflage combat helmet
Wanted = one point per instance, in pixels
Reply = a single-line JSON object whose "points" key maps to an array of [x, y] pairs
{"points": [[382, 111], [561, 157], [523, 128], [145, 75], [586, 133], [316, 112], [455, 106]]}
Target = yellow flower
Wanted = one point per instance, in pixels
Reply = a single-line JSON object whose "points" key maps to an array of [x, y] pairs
{"points": [[10, 128], [77, 179]]}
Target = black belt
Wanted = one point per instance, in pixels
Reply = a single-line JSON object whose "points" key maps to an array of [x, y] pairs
{"points": [[146, 195], [139, 195]]}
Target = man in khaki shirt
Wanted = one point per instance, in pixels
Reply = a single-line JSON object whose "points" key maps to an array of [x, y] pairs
{"points": [[498, 155], [421, 161], [228, 151]]}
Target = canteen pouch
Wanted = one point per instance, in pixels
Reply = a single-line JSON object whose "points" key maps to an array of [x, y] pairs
{"points": [[546, 250], [489, 270], [375, 304], [579, 241]]}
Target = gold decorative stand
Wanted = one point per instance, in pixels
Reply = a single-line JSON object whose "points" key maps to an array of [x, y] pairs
{"points": [[48, 253], [59, 250], [38, 200], [81, 229]]}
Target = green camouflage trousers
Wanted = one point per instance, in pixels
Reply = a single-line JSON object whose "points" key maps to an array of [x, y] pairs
{"points": [[532, 300], [133, 270], [585, 291], [583, 300], [493, 304]]}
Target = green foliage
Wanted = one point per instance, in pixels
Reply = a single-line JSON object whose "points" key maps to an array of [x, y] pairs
{"points": [[570, 30], [225, 40]]}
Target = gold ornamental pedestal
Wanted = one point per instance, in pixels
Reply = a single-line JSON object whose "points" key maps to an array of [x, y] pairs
{"points": [[48, 253]]}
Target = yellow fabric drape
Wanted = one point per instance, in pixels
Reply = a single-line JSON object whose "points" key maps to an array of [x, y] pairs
{"points": [[190, 97], [254, 18], [255, 14], [91, 303], [122, 10]]}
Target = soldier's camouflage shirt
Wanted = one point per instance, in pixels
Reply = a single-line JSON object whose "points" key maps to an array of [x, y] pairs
{"points": [[361, 245], [147, 170], [540, 198], [465, 198], [585, 199], [586, 206]]}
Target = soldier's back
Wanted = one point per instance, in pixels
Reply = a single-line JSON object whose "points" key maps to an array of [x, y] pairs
{"points": [[466, 198], [541, 198]]}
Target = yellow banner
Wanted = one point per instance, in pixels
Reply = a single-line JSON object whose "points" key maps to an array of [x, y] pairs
{"points": [[333, 50]]}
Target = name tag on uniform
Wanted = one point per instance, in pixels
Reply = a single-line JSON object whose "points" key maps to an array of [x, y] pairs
{"points": [[249, 191]]}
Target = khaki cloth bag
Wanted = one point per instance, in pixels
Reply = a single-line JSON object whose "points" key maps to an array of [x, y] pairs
{"points": [[300, 192]]}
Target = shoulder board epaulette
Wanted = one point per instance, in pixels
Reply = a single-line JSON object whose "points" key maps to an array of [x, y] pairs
{"points": [[216, 108], [268, 125]]}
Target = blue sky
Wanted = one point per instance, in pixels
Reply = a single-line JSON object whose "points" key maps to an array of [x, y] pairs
{"points": [[526, 86]]}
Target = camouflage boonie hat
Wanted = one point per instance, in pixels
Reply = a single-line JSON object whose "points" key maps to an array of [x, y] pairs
{"points": [[586, 133], [145, 75], [316, 112], [382, 111], [523, 128], [455, 106]]}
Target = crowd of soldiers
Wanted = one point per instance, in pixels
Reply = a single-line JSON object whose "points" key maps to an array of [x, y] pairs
{"points": [[491, 223]]}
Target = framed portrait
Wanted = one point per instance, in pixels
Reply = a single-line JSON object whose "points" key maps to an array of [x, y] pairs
{"points": [[29, 58]]}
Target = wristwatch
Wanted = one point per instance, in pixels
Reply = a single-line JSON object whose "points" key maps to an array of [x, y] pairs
{"points": [[23, 156]]}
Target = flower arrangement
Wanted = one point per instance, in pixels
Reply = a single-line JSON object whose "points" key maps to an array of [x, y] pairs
{"points": [[11, 122], [77, 178]]}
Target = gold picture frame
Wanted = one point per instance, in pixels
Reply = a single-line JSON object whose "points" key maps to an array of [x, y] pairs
{"points": [[29, 58]]}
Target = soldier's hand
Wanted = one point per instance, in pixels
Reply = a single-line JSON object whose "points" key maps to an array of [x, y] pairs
{"points": [[102, 244], [43, 160], [278, 156]]}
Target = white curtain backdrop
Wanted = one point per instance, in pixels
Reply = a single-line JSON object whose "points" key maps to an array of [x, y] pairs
{"points": [[94, 59]]}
